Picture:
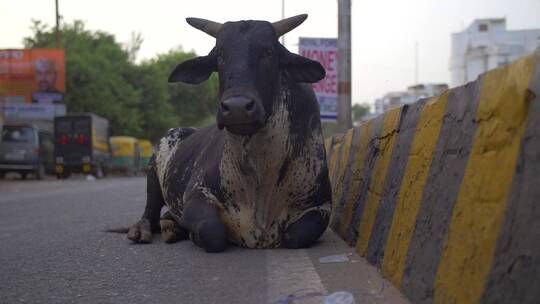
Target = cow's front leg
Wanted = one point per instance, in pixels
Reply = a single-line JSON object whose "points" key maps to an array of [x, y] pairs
{"points": [[202, 220], [142, 231], [306, 231]]}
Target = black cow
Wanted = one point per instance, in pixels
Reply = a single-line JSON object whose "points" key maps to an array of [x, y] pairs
{"points": [[258, 178]]}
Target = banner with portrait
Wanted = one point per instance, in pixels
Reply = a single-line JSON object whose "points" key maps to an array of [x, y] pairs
{"points": [[32, 76]]}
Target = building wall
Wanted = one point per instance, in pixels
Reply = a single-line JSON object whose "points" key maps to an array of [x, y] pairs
{"points": [[411, 95], [487, 44]]}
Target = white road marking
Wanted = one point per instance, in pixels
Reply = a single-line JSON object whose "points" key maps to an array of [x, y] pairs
{"points": [[291, 273]]}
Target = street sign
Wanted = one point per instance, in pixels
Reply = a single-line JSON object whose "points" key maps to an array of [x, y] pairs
{"points": [[324, 50]]}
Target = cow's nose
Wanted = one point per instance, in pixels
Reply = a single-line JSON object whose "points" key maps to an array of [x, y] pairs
{"points": [[238, 109]]}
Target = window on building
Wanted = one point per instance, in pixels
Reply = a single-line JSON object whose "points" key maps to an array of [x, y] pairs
{"points": [[483, 27], [503, 61]]}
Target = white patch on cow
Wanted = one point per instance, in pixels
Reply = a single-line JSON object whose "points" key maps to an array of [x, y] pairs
{"points": [[256, 208], [167, 147], [163, 156]]}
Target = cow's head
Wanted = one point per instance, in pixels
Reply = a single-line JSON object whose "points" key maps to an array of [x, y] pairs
{"points": [[250, 61]]}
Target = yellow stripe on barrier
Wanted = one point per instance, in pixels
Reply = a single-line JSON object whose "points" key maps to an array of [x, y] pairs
{"points": [[346, 148], [332, 166], [356, 176], [412, 185], [387, 141], [328, 145], [481, 204]]}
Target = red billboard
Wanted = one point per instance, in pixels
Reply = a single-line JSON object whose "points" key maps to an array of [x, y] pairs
{"points": [[32, 76]]}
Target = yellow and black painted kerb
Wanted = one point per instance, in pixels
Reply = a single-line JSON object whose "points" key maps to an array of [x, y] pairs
{"points": [[422, 224], [443, 195], [350, 227], [515, 271], [342, 181], [392, 184], [343, 214], [335, 160], [342, 164]]}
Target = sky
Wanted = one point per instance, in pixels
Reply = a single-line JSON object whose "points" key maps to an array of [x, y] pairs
{"points": [[384, 32]]}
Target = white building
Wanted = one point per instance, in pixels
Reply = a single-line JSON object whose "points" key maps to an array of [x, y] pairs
{"points": [[413, 93], [485, 45]]}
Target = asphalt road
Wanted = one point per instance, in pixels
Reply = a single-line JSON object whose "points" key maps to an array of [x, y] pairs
{"points": [[53, 250]]}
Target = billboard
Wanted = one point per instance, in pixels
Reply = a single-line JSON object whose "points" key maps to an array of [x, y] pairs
{"points": [[324, 50], [16, 110], [32, 76]]}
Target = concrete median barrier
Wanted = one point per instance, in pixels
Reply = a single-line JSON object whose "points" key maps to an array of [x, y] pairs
{"points": [[443, 195]]}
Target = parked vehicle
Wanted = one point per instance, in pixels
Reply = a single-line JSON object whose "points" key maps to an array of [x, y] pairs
{"points": [[125, 154], [26, 149], [81, 145], [146, 153]]}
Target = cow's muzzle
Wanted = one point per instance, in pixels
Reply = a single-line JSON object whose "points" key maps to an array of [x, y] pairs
{"points": [[241, 115]]}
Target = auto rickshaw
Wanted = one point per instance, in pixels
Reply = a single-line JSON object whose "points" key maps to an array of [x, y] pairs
{"points": [[146, 153], [125, 154]]}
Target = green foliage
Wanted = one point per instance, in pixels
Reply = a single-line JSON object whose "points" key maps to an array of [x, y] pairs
{"points": [[360, 110], [192, 103], [102, 77], [329, 129]]}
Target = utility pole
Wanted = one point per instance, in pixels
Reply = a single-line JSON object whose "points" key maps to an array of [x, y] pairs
{"points": [[57, 31], [344, 65], [283, 17], [416, 62]]}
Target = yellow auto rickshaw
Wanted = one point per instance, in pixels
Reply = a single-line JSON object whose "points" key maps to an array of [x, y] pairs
{"points": [[125, 154], [146, 153]]}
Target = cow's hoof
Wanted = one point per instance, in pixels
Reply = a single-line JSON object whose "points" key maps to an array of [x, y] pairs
{"points": [[171, 232], [140, 232], [210, 235]]}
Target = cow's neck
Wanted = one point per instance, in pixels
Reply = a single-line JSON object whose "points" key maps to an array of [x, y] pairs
{"points": [[251, 165]]}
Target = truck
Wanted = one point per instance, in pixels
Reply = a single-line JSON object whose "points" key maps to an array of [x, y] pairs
{"points": [[81, 145]]}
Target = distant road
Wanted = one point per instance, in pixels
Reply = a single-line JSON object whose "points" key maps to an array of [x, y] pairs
{"points": [[54, 250]]}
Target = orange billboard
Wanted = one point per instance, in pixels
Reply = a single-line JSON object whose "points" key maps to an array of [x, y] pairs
{"points": [[32, 75]]}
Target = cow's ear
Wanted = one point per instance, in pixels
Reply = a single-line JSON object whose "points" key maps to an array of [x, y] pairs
{"points": [[302, 69], [194, 70]]}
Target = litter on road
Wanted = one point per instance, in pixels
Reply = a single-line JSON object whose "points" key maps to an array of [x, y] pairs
{"points": [[338, 258]]}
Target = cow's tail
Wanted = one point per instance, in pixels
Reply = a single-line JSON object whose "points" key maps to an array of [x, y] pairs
{"points": [[122, 230]]}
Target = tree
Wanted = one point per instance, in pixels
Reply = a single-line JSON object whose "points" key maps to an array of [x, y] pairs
{"points": [[360, 110], [134, 46], [96, 72], [102, 77], [157, 113], [191, 103]]}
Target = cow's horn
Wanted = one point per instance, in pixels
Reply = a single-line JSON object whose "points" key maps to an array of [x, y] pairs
{"points": [[286, 25], [207, 26]]}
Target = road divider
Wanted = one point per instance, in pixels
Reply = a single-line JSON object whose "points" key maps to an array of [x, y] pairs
{"points": [[442, 195]]}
